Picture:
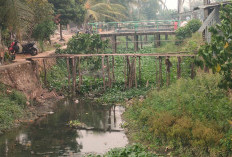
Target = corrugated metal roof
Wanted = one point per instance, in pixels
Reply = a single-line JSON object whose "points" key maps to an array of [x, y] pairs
{"points": [[212, 5]]}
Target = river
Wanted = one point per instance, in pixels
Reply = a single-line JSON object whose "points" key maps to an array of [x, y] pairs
{"points": [[51, 136]]}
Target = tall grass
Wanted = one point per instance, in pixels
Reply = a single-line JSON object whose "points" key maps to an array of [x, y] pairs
{"points": [[192, 117]]}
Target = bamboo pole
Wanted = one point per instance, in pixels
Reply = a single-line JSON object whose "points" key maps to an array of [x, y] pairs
{"points": [[103, 73], [69, 74]]}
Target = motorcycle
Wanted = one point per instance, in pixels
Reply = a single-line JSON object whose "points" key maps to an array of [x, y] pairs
{"points": [[17, 48]]}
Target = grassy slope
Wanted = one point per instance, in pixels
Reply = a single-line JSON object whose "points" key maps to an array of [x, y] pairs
{"points": [[12, 104], [190, 117]]}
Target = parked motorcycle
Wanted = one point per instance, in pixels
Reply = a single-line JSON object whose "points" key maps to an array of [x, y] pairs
{"points": [[17, 48]]}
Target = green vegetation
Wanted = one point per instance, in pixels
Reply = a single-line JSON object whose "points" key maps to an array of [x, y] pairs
{"points": [[217, 54], [135, 150], [191, 117], [187, 31], [12, 104]]}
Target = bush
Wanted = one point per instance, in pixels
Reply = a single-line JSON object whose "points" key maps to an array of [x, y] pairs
{"points": [[186, 31], [191, 116]]}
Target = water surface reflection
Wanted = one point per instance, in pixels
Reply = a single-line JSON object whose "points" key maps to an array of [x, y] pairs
{"points": [[51, 136]]}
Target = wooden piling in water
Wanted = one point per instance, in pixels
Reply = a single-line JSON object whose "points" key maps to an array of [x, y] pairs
{"points": [[74, 66], [179, 68], [79, 73], [69, 74], [45, 72], [103, 73]]}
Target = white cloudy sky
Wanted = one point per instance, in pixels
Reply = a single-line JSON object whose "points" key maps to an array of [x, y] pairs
{"points": [[171, 4]]}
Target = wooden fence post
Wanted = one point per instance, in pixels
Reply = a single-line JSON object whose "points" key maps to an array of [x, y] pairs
{"points": [[158, 40], [45, 72], [140, 77], [179, 68], [157, 71], [103, 73], [74, 66]]}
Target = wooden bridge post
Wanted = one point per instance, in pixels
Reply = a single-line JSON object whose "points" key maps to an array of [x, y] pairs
{"points": [[45, 72], [127, 39], [166, 36], [141, 41], [108, 71], [114, 44], [79, 72], [135, 70], [74, 66], [155, 41], [157, 71], [158, 40], [140, 79], [160, 84], [103, 73], [69, 75], [113, 75], [125, 71], [193, 74], [179, 68], [168, 70], [136, 43]]}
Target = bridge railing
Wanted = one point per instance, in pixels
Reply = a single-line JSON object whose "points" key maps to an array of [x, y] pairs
{"points": [[135, 26]]}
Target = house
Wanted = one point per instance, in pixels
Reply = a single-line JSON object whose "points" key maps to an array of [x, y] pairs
{"points": [[211, 17]]}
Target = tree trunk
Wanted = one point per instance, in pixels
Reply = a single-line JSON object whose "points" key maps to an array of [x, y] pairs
{"points": [[61, 35]]}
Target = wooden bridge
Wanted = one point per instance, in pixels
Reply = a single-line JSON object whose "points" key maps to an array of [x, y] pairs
{"points": [[132, 68], [135, 29]]}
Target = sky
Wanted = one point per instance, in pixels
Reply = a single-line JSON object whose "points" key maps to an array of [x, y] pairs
{"points": [[171, 4]]}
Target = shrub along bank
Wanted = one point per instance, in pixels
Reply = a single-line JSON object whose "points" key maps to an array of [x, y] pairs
{"points": [[191, 117], [12, 104]]}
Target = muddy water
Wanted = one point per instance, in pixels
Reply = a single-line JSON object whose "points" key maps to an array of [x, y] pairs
{"points": [[52, 137]]}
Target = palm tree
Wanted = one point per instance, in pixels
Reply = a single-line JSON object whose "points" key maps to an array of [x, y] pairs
{"points": [[16, 16], [100, 9]]}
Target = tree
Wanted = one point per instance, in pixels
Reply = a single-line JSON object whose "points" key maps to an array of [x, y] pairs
{"points": [[68, 10], [217, 55]]}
